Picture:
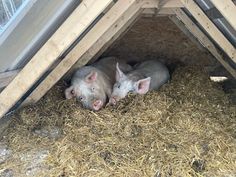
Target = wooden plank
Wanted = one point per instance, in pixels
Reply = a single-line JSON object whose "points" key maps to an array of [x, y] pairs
{"points": [[210, 28], [228, 9], [69, 31], [150, 4], [116, 36], [113, 20], [162, 4], [203, 39], [183, 28], [150, 12], [7, 77], [170, 3]]}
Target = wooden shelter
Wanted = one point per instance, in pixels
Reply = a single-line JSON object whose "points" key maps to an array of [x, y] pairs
{"points": [[93, 26]]}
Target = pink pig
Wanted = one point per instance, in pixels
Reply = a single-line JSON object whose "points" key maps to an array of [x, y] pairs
{"points": [[92, 85], [148, 75]]}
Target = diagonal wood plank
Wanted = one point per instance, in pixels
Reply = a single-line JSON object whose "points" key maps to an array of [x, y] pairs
{"points": [[116, 36], [228, 9], [69, 31], [210, 28], [98, 36], [203, 39]]}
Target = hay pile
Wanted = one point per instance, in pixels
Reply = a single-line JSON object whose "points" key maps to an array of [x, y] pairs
{"points": [[185, 129]]}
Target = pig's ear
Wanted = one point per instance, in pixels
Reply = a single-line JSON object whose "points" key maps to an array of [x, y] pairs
{"points": [[142, 86], [92, 76], [119, 73], [70, 92]]}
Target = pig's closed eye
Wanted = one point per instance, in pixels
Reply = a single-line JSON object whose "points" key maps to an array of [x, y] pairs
{"points": [[117, 85]]}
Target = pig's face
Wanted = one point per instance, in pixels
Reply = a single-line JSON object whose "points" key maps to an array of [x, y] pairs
{"points": [[124, 85], [88, 92], [120, 90]]}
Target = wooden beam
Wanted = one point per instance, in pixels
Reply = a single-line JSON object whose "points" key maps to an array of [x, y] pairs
{"points": [[99, 35], [150, 12], [116, 36], [210, 28], [7, 77], [69, 31], [203, 39], [183, 28], [228, 9], [170, 3], [162, 4], [150, 4]]}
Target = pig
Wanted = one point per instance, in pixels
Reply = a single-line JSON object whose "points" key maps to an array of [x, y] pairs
{"points": [[92, 85], [148, 75]]}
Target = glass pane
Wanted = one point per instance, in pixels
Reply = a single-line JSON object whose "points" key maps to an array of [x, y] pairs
{"points": [[8, 11]]}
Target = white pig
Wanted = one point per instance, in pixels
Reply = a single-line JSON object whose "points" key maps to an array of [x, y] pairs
{"points": [[92, 85], [148, 75]]}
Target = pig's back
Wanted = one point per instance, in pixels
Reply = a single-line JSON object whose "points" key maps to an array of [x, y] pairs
{"points": [[108, 66], [156, 70]]}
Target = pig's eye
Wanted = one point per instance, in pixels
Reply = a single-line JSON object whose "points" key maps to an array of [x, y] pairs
{"points": [[93, 88], [81, 98]]}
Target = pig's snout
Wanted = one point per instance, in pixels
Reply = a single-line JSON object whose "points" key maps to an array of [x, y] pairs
{"points": [[113, 100], [97, 104]]}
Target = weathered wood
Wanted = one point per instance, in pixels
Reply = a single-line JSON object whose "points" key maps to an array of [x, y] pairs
{"points": [[193, 28], [210, 28], [228, 9], [170, 4], [150, 12], [7, 77], [69, 31], [183, 28], [150, 4], [162, 4], [113, 20], [118, 35]]}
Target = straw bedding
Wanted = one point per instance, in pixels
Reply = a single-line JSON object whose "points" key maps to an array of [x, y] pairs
{"points": [[187, 128]]}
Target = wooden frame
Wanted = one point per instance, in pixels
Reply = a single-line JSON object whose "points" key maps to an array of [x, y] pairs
{"points": [[119, 34], [228, 9], [115, 22], [69, 31], [203, 39], [98, 36], [210, 28], [161, 4], [150, 12]]}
